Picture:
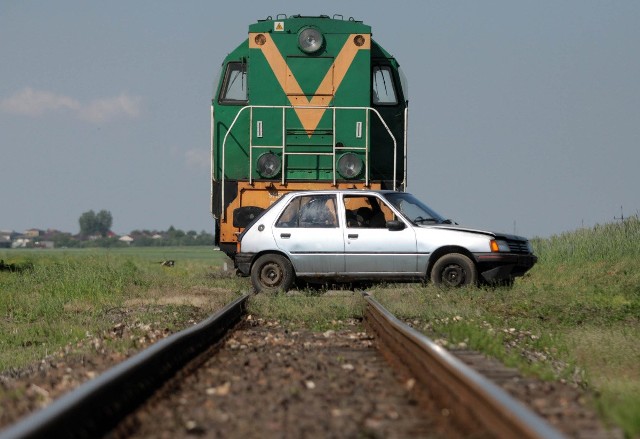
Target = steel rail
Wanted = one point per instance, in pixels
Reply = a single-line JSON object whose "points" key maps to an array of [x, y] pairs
{"points": [[97, 406], [467, 395]]}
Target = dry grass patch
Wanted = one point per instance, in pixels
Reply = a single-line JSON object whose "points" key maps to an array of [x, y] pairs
{"points": [[308, 309], [607, 354]]}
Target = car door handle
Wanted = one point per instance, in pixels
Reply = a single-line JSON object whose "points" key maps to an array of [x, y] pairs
{"points": [[352, 236], [285, 235]]}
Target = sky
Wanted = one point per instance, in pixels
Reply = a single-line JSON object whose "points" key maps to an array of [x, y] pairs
{"points": [[523, 117]]}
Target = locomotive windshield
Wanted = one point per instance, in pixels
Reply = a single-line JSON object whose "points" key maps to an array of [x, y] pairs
{"points": [[384, 92], [234, 89]]}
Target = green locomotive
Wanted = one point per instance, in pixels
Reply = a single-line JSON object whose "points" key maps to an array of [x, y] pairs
{"points": [[303, 103]]}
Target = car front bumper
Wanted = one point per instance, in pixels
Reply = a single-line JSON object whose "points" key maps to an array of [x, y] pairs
{"points": [[501, 266]]}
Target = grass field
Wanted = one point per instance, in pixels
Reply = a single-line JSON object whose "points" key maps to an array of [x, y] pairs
{"points": [[63, 295], [575, 316]]}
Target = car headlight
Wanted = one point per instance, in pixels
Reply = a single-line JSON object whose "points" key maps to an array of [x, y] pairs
{"points": [[498, 245], [310, 40], [349, 165], [268, 165]]}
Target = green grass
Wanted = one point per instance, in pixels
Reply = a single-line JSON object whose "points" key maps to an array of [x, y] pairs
{"points": [[575, 316], [308, 309], [66, 294]]}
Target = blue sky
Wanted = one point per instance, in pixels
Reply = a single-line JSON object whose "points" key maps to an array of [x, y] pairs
{"points": [[524, 116]]}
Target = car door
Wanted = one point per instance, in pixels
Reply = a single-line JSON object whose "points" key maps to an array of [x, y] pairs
{"points": [[309, 232], [370, 247]]}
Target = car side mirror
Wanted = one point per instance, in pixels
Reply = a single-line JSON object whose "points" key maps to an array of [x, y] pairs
{"points": [[395, 225]]}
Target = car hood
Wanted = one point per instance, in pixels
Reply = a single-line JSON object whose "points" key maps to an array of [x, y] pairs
{"points": [[457, 228]]}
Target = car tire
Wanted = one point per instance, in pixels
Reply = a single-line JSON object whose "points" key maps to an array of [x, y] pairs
{"points": [[454, 270], [271, 273]]}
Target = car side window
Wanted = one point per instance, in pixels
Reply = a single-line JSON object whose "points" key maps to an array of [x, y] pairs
{"points": [[310, 211], [366, 212]]}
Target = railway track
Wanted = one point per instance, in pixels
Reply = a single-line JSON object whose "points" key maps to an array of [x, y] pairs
{"points": [[459, 398], [477, 406], [97, 406]]}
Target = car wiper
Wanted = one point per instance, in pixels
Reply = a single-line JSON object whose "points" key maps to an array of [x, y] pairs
{"points": [[421, 220]]}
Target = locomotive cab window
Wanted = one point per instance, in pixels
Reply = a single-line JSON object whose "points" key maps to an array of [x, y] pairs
{"points": [[383, 87], [234, 87]]}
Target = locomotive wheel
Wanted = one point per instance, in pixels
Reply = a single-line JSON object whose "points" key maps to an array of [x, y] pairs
{"points": [[453, 271], [272, 273]]}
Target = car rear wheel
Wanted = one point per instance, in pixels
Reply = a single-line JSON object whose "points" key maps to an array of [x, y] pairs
{"points": [[454, 270], [271, 273]]}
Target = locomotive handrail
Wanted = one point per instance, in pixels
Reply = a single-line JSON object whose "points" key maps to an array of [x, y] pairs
{"points": [[406, 131], [283, 146], [212, 162]]}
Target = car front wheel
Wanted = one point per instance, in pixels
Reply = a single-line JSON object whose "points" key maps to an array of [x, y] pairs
{"points": [[454, 270], [271, 273]]}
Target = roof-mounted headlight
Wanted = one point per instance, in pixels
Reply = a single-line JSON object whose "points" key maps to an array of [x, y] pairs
{"points": [[268, 165], [310, 40], [349, 165]]}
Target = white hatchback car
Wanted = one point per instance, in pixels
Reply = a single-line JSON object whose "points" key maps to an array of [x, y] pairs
{"points": [[367, 235]]}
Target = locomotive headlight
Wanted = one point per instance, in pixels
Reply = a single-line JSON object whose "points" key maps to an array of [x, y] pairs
{"points": [[349, 165], [268, 165], [310, 40]]}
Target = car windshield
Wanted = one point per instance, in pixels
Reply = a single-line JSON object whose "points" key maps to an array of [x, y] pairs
{"points": [[415, 210]]}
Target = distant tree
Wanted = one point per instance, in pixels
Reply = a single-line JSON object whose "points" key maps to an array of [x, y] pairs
{"points": [[64, 240], [104, 221], [175, 234], [92, 223], [143, 241], [87, 223], [204, 238]]}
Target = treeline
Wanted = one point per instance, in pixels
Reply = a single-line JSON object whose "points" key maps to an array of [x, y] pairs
{"points": [[140, 238], [172, 237]]}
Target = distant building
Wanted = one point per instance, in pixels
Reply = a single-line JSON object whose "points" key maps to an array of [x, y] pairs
{"points": [[33, 233], [8, 235], [21, 242], [126, 238], [5, 241]]}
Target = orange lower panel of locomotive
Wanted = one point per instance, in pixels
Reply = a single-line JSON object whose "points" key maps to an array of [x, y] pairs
{"points": [[262, 195]]}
